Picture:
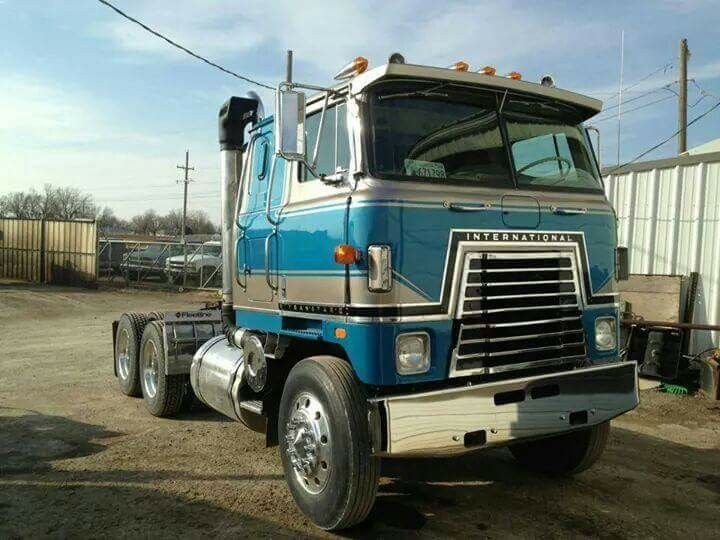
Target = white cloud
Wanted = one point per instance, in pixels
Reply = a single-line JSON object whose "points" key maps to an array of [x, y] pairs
{"points": [[57, 134], [326, 33], [38, 112]]}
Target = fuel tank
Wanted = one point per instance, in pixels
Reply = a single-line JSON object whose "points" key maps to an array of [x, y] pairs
{"points": [[217, 376]]}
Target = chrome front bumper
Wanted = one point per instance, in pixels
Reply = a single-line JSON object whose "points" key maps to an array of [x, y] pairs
{"points": [[458, 420]]}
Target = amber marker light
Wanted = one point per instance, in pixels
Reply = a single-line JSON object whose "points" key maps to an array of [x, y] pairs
{"points": [[514, 75], [340, 333], [357, 66], [460, 66], [487, 70], [345, 254]]}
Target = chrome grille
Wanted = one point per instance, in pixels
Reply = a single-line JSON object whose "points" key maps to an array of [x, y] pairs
{"points": [[518, 310]]}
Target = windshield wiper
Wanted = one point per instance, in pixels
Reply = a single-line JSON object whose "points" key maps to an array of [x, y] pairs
{"points": [[430, 92]]}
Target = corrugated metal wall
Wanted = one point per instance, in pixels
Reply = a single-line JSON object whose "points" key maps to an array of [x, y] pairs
{"points": [[669, 218], [62, 252], [20, 241]]}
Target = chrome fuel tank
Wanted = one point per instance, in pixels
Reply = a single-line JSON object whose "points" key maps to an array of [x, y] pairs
{"points": [[217, 376]]}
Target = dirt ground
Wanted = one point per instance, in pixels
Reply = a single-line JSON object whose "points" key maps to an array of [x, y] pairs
{"points": [[79, 459]]}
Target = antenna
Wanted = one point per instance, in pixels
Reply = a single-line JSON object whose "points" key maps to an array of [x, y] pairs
{"points": [[620, 92]]}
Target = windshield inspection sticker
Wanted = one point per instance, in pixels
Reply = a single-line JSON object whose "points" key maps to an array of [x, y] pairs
{"points": [[427, 169]]}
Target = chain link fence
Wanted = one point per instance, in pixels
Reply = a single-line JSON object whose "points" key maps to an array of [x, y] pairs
{"points": [[161, 264]]}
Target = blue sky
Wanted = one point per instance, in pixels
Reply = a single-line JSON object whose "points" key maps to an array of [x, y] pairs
{"points": [[87, 99]]}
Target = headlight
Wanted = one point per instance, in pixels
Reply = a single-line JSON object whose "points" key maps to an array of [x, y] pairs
{"points": [[412, 353], [605, 333]]}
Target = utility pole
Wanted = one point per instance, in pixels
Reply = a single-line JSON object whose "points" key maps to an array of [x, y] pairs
{"points": [[187, 168], [682, 97], [186, 181]]}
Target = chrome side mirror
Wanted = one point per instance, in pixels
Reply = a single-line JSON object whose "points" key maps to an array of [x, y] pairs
{"points": [[290, 132]]}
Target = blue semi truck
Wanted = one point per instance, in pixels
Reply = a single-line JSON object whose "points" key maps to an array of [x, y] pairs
{"points": [[417, 261]]}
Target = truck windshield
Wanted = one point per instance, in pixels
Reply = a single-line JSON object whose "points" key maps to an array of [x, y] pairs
{"points": [[450, 134]]}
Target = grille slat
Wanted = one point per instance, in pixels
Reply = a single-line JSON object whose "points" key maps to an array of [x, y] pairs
{"points": [[518, 310]]}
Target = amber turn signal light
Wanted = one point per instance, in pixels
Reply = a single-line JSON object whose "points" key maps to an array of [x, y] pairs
{"points": [[460, 66], [357, 66], [345, 254]]}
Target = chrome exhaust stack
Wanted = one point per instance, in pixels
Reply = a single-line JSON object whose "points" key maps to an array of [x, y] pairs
{"points": [[234, 116]]}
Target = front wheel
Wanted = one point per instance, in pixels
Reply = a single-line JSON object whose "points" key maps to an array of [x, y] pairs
{"points": [[566, 454], [325, 443]]}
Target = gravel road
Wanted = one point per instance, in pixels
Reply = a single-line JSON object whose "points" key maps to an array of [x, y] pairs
{"points": [[79, 459]]}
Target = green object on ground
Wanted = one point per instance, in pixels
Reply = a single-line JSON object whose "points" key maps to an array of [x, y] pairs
{"points": [[673, 389]]}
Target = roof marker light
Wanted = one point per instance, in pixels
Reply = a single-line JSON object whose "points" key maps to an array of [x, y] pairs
{"points": [[356, 67], [487, 70], [548, 81], [460, 66], [396, 58], [514, 75]]}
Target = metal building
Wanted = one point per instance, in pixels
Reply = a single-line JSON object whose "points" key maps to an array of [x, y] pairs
{"points": [[668, 214]]}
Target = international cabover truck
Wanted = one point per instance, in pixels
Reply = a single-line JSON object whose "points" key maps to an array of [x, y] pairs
{"points": [[417, 261]]}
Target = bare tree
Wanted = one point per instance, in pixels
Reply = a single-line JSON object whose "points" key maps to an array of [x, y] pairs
{"points": [[52, 203], [146, 223], [108, 222], [198, 222], [172, 222]]}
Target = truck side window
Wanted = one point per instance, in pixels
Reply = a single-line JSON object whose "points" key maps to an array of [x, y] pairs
{"points": [[334, 148]]}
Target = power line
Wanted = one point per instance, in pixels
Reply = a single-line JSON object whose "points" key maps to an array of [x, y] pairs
{"points": [[664, 68], [603, 118], [184, 49], [644, 94], [671, 137]]}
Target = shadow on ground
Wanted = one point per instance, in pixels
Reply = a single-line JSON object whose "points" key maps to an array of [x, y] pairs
{"points": [[37, 499], [644, 485]]}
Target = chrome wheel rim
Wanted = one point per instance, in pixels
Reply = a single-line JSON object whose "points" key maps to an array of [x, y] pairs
{"points": [[150, 369], [123, 354], [308, 443]]}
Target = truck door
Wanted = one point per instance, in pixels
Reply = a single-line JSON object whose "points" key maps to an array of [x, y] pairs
{"points": [[258, 246]]}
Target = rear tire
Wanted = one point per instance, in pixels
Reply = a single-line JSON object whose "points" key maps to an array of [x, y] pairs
{"points": [[325, 443], [127, 351], [566, 454], [163, 394]]}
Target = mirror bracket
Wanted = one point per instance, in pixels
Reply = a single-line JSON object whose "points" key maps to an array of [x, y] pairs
{"points": [[337, 179]]}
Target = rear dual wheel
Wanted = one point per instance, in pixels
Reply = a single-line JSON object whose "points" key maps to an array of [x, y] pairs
{"points": [[163, 394], [325, 443], [140, 364], [127, 349]]}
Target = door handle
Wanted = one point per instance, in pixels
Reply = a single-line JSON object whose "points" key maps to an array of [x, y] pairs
{"points": [[568, 211], [268, 279], [465, 208]]}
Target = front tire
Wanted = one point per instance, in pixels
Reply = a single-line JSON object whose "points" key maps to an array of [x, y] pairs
{"points": [[325, 443], [566, 454], [127, 351], [163, 394]]}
